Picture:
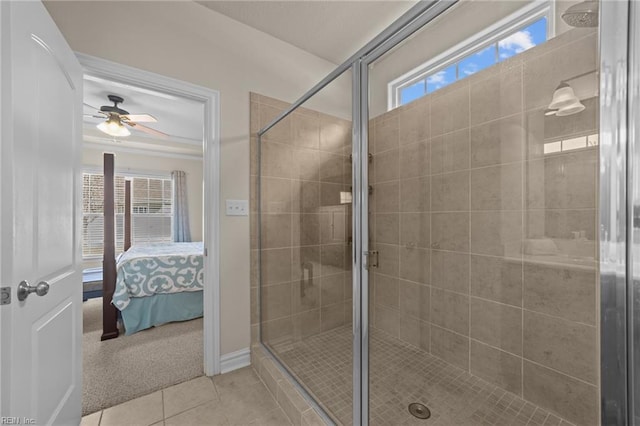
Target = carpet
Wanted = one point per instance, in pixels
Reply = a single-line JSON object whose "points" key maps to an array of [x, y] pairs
{"points": [[121, 369]]}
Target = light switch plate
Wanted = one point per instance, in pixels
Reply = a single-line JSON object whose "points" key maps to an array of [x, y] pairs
{"points": [[237, 208]]}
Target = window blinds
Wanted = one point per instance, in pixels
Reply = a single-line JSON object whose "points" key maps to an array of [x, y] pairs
{"points": [[151, 211]]}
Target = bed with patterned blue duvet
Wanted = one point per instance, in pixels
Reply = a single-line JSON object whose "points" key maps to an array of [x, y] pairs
{"points": [[159, 283]]}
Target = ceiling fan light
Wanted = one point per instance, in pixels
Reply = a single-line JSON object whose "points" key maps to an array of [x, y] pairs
{"points": [[113, 127], [571, 109]]}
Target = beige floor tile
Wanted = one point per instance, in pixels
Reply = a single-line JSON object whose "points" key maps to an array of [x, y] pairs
{"points": [[145, 410], [244, 405], [188, 395], [210, 413], [244, 378], [91, 419], [275, 417]]}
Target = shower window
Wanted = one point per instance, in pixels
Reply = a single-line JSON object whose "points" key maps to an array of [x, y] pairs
{"points": [[522, 30]]}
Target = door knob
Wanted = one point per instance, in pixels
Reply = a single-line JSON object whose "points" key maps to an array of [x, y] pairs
{"points": [[24, 289]]}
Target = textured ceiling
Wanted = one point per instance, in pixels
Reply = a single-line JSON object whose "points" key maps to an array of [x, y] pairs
{"points": [[330, 29]]}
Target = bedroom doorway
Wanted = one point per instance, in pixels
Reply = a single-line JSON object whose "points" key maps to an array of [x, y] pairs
{"points": [[183, 138]]}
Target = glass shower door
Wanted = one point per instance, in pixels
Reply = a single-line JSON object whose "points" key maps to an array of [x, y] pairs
{"points": [[483, 306]]}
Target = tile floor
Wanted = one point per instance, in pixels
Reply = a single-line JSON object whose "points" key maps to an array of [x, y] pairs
{"points": [[236, 398], [401, 374]]}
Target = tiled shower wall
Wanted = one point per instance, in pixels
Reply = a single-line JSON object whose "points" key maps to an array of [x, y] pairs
{"points": [[306, 248], [487, 245]]}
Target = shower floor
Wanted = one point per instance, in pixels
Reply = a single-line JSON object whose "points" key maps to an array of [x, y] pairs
{"points": [[402, 374]]}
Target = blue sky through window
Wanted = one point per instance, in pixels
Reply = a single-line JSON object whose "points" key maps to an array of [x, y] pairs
{"points": [[441, 78], [411, 93], [524, 39], [477, 61]]}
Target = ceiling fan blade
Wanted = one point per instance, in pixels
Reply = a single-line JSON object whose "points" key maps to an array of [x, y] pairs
{"points": [[91, 106], [101, 117], [148, 130], [140, 118]]}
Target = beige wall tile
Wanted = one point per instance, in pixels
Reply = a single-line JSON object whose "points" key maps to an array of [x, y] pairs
{"points": [[414, 160], [332, 316], [387, 320], [450, 192], [566, 181], [562, 345], [388, 259], [387, 197], [574, 400], [335, 135], [451, 347], [279, 132], [566, 292], [276, 266], [450, 231], [497, 325], [415, 264], [306, 130], [450, 152], [497, 142], [305, 164], [276, 301], [305, 295], [330, 193], [414, 122], [415, 300], [387, 166], [415, 194], [497, 367], [415, 332], [275, 195], [332, 259], [386, 134], [331, 289], [277, 331], [386, 290], [497, 279], [305, 263], [387, 228], [496, 233], [334, 225], [450, 271], [497, 188], [450, 110], [276, 160], [276, 230], [332, 167], [560, 224], [305, 229], [498, 96], [415, 230], [306, 324], [450, 310], [305, 196]]}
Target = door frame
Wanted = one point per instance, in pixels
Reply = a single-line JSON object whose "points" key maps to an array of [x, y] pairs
{"points": [[112, 71]]}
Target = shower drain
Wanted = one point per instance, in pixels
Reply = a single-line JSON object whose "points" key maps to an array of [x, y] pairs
{"points": [[419, 410]]}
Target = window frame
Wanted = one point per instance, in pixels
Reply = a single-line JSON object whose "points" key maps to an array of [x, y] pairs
{"points": [[128, 174], [520, 19]]}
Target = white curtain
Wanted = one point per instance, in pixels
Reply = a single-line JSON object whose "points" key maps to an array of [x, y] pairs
{"points": [[181, 231]]}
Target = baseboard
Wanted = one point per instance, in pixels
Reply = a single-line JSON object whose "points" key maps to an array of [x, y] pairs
{"points": [[234, 360]]}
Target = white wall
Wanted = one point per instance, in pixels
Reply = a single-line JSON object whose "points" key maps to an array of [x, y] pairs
{"points": [[187, 41]]}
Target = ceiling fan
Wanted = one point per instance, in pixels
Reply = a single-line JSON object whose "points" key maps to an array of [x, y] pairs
{"points": [[117, 119]]}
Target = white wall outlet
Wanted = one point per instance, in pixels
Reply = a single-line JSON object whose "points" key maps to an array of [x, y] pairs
{"points": [[237, 208]]}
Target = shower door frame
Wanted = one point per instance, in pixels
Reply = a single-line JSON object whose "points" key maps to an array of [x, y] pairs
{"points": [[619, 159]]}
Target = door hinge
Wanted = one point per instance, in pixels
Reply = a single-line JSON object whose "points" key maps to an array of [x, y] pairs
{"points": [[5, 295], [206, 252], [370, 259]]}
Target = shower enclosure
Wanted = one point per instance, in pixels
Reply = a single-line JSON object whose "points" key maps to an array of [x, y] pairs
{"points": [[439, 226]]}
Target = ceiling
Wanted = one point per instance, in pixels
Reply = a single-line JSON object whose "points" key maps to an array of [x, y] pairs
{"points": [[181, 118], [332, 30]]}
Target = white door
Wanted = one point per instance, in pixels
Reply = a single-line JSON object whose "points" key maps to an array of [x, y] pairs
{"points": [[40, 136]]}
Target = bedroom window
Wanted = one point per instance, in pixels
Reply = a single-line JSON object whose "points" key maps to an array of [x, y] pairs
{"points": [[527, 28], [151, 211]]}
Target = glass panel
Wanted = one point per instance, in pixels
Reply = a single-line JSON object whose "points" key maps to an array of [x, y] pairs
{"points": [[413, 92], [441, 78], [477, 61], [484, 214], [524, 39], [304, 242]]}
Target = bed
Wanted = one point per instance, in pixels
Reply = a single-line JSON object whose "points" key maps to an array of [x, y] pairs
{"points": [[147, 285], [159, 283]]}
